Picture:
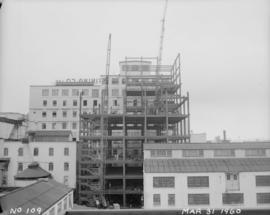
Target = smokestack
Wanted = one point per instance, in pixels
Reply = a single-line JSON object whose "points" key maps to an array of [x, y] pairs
{"points": [[224, 135]]}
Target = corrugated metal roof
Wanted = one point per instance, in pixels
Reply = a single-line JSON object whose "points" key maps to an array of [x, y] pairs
{"points": [[34, 171], [42, 194], [231, 145], [206, 165], [50, 133]]}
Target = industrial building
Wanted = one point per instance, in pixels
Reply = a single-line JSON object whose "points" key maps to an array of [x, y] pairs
{"points": [[143, 104], [208, 175], [54, 151]]}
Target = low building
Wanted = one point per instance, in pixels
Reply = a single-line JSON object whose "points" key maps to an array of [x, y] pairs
{"points": [[55, 153], [46, 197], [31, 175], [202, 176]]}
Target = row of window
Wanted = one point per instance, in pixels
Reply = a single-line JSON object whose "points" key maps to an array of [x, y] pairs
{"points": [[61, 206], [75, 103], [203, 181], [36, 151], [75, 92], [200, 152], [204, 199], [50, 166], [64, 125]]}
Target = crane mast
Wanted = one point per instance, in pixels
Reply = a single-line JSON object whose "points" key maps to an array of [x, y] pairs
{"points": [[108, 71], [162, 34]]}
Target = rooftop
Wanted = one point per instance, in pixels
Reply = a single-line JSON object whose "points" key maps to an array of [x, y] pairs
{"points": [[206, 165], [42, 194], [34, 171], [227, 145]]}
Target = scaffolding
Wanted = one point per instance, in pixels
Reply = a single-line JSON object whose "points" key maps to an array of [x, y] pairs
{"points": [[110, 150]]}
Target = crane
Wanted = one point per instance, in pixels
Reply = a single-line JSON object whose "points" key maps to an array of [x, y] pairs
{"points": [[108, 70], [162, 34]]}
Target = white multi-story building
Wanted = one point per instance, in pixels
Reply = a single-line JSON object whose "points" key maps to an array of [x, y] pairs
{"points": [[207, 175], [57, 107], [53, 150]]}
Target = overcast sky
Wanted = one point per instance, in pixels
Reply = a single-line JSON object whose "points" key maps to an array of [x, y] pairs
{"points": [[224, 47]]}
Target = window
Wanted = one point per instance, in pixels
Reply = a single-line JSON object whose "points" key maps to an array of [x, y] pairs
{"points": [[193, 153], [65, 203], [156, 199], [75, 92], [20, 152], [263, 198], [64, 125], [255, 152], [53, 125], [262, 180], [70, 200], [45, 92], [51, 152], [163, 182], [4, 180], [74, 113], [44, 114], [233, 198], [55, 92], [51, 166], [52, 211], [64, 113], [20, 166], [54, 103], [115, 102], [224, 153], [171, 199], [123, 81], [64, 92], [43, 125], [54, 114], [115, 92], [95, 103], [5, 151], [66, 151], [74, 125], [198, 181], [95, 93], [75, 103], [44, 102], [65, 180], [59, 207], [85, 92], [35, 151], [161, 153], [66, 166], [115, 81], [84, 102], [198, 199], [64, 103]]}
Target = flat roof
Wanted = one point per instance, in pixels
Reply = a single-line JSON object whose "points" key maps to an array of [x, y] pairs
{"points": [[229, 145], [207, 165]]}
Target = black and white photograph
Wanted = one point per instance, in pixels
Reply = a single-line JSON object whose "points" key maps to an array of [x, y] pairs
{"points": [[134, 107]]}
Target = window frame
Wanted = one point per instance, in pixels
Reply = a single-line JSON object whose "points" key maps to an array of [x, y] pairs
{"points": [[35, 151], [198, 195]]}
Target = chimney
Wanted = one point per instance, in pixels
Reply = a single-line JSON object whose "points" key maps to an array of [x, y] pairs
{"points": [[224, 135]]}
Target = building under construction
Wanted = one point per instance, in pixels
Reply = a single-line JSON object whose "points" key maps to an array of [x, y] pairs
{"points": [[143, 104]]}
